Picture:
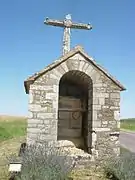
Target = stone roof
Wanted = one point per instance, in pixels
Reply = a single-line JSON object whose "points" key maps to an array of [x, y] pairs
{"points": [[78, 49]]}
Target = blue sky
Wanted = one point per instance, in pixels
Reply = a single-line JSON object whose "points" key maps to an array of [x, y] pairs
{"points": [[27, 45]]}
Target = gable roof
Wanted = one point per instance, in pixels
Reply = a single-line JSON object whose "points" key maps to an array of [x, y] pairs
{"points": [[78, 49]]}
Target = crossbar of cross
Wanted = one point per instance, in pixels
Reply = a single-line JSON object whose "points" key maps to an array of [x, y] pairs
{"points": [[67, 24]]}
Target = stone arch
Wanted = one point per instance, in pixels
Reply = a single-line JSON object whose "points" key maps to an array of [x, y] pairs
{"points": [[75, 108], [79, 63]]}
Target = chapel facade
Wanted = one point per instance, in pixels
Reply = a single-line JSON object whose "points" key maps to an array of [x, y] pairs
{"points": [[75, 99]]}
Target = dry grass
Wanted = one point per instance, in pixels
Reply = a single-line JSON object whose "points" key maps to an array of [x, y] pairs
{"points": [[13, 134], [88, 174], [11, 147], [11, 118], [7, 148]]}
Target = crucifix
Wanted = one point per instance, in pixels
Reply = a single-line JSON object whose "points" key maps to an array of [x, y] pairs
{"points": [[67, 24]]}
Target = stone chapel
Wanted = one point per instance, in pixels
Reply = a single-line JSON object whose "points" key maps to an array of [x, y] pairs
{"points": [[74, 99]]}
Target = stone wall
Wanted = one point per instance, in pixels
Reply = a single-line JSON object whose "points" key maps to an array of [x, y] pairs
{"points": [[42, 115], [103, 117]]}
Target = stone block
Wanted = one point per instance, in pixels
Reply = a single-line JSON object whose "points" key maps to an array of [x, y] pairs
{"points": [[57, 73], [94, 115], [114, 107], [85, 67], [72, 64], [64, 66], [101, 101], [45, 129], [105, 107], [54, 130], [96, 124], [117, 104], [95, 77], [35, 121], [54, 123], [100, 95], [92, 73], [46, 121], [31, 97], [95, 101], [32, 125], [105, 122], [89, 70], [99, 115], [51, 81], [109, 90], [51, 96], [55, 103], [48, 137], [95, 85], [35, 107], [112, 123], [101, 129], [114, 95], [45, 109], [60, 69], [36, 92], [94, 139], [96, 107], [33, 130], [78, 56], [114, 138], [30, 114], [99, 89], [117, 115], [32, 135], [81, 64], [56, 89], [46, 103], [104, 125], [45, 115], [41, 88], [53, 76]]}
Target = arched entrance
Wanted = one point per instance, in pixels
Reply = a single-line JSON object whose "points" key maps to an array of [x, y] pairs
{"points": [[75, 109]]}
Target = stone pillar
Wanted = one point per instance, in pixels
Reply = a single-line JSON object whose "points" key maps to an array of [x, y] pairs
{"points": [[42, 118], [106, 109]]}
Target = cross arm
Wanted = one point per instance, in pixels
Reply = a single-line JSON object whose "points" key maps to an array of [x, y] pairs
{"points": [[54, 22], [81, 26]]}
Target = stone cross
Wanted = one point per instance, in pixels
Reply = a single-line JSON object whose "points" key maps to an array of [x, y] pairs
{"points": [[67, 24]]}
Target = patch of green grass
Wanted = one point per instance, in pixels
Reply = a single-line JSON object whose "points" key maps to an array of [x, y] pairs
{"points": [[124, 150], [11, 127], [128, 124]]}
